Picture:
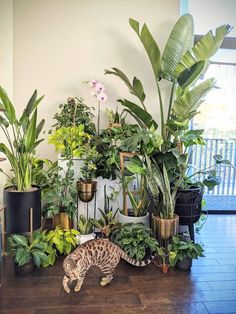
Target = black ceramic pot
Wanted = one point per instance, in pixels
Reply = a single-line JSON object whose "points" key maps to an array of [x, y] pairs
{"points": [[17, 213], [189, 205], [185, 264]]}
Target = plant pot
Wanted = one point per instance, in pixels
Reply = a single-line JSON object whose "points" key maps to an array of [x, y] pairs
{"points": [[164, 268], [86, 190], [123, 219], [63, 220], [82, 238], [185, 264], [25, 269], [189, 205], [17, 213], [165, 228], [114, 125]]}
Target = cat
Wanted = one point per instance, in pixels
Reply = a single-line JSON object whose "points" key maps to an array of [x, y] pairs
{"points": [[100, 252]]}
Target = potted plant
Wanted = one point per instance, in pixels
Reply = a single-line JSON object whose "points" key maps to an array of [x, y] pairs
{"points": [[26, 255], [86, 186], [108, 218], [22, 136], [135, 239], [182, 252], [116, 120], [62, 240], [60, 201], [85, 226], [182, 63]]}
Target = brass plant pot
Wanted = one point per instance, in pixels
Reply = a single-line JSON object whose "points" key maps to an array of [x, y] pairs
{"points": [[86, 190], [165, 228], [63, 220]]}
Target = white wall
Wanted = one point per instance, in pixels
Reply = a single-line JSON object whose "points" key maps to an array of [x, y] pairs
{"points": [[6, 62], [58, 44]]}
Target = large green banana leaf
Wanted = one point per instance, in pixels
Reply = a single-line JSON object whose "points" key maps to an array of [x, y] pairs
{"points": [[189, 75], [30, 135], [143, 115], [204, 49], [191, 99], [31, 106], [150, 46], [180, 41]]}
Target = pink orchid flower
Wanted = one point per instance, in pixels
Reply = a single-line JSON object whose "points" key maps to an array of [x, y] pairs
{"points": [[100, 88], [93, 83], [102, 97]]}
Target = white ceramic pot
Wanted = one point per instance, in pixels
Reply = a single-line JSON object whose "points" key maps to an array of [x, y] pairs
{"points": [[123, 219], [82, 238]]}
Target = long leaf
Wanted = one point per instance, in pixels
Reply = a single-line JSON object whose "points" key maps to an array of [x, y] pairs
{"points": [[204, 49], [40, 127], [9, 109], [9, 155], [30, 135], [189, 75], [191, 100], [149, 44], [180, 41], [143, 115]]}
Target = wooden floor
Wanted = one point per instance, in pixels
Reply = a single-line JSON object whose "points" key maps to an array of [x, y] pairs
{"points": [[209, 288]]}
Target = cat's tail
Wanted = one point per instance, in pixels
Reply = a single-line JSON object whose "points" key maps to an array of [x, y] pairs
{"points": [[134, 262]]}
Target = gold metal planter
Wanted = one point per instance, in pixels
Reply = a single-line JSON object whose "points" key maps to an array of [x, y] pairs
{"points": [[165, 228], [63, 220], [86, 190]]}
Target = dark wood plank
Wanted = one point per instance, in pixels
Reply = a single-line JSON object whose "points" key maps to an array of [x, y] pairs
{"points": [[212, 269]]}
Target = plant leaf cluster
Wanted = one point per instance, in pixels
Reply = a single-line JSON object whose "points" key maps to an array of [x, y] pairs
{"points": [[135, 240]]}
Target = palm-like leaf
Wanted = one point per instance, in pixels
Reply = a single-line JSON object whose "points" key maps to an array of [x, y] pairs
{"points": [[150, 46], [191, 99], [180, 41], [204, 49], [142, 115]]}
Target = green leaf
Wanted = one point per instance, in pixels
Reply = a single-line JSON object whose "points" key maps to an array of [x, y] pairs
{"points": [[9, 109], [20, 239], [24, 259], [191, 74], [204, 49], [143, 115], [138, 89], [189, 102], [180, 41], [30, 135], [150, 46]]}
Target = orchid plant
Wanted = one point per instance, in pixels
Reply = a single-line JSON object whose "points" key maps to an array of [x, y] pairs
{"points": [[97, 90]]}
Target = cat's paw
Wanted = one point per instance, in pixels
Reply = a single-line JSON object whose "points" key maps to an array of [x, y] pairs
{"points": [[104, 282], [67, 289], [76, 289]]}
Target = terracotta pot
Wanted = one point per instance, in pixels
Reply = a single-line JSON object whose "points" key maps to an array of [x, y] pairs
{"points": [[63, 220], [165, 228], [86, 190], [164, 268]]}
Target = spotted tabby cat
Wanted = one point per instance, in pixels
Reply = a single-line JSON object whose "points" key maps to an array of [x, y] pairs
{"points": [[102, 253]]}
